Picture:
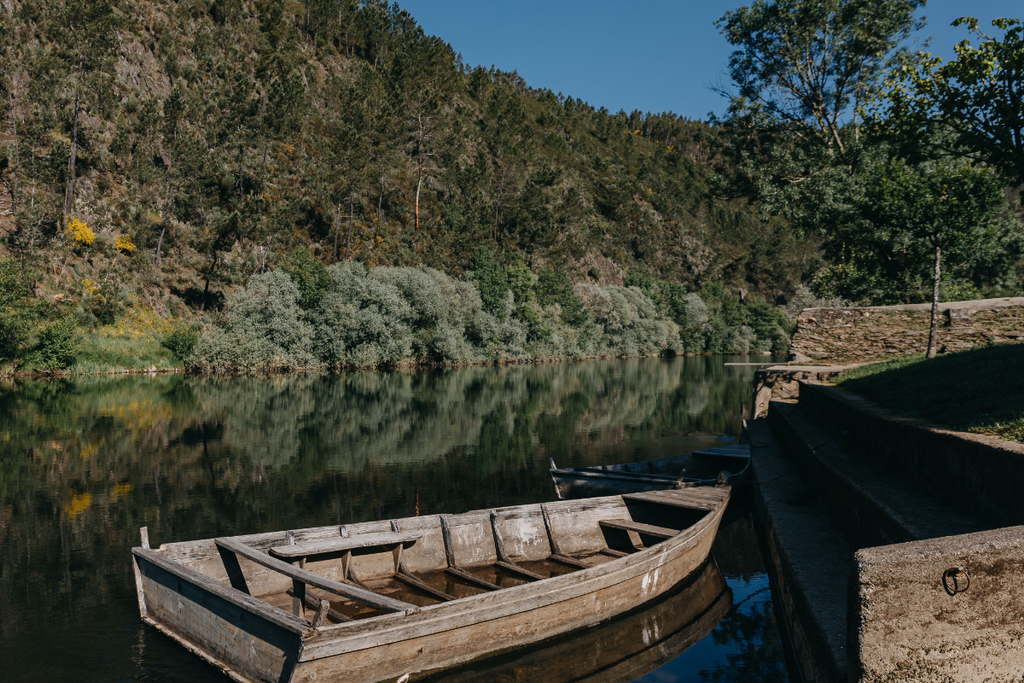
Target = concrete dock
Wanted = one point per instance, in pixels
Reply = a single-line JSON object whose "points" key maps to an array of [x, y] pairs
{"points": [[886, 572]]}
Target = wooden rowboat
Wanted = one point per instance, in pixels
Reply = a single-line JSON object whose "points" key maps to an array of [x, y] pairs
{"points": [[619, 651], [390, 599], [699, 468]]}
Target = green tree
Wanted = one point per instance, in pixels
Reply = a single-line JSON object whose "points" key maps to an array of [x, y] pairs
{"points": [[970, 106], [492, 281], [940, 205], [802, 69], [807, 64]]}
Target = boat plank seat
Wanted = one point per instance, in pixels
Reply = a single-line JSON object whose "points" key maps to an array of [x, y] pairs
{"points": [[742, 452], [626, 473], [640, 528], [345, 544], [302, 576], [695, 498]]}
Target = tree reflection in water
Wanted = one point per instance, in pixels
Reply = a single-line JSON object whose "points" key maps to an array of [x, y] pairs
{"points": [[85, 463]]}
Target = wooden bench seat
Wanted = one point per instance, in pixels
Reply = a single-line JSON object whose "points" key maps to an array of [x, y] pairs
{"points": [[300, 578], [650, 530], [343, 544]]}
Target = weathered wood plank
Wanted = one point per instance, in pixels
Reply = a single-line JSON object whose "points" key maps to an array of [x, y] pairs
{"points": [[243, 600], [411, 579], [314, 603], [378, 602], [569, 561], [555, 550], [499, 544], [340, 544], [472, 578], [611, 552], [696, 539], [321, 614], [695, 498], [642, 529], [516, 569]]}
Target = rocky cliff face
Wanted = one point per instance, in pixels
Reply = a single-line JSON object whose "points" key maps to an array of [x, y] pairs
{"points": [[857, 335]]}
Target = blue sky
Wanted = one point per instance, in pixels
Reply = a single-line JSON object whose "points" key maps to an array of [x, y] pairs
{"points": [[652, 55]]}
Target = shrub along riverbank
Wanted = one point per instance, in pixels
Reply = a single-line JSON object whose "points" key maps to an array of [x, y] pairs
{"points": [[306, 316], [976, 391]]}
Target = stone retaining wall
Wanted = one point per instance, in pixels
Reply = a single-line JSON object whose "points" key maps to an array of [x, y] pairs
{"points": [[857, 335]]}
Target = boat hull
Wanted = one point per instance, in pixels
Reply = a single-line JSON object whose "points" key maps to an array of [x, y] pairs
{"points": [[648, 475], [251, 641]]}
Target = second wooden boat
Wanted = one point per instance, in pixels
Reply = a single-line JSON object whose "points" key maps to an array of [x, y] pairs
{"points": [[699, 468], [381, 601]]}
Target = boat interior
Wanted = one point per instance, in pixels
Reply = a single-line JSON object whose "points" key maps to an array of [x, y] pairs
{"points": [[337, 574]]}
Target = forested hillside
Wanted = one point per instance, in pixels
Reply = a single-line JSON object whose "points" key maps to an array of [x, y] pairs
{"points": [[160, 155]]}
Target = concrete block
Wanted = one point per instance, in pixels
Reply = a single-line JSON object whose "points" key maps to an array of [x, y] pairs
{"points": [[944, 609]]}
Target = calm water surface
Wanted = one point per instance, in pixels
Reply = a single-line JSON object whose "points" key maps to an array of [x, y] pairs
{"points": [[85, 463]]}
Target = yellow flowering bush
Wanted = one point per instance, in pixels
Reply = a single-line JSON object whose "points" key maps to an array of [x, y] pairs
{"points": [[80, 233], [138, 322], [124, 244]]}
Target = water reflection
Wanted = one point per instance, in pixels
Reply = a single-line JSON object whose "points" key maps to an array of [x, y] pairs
{"points": [[84, 463], [621, 650]]}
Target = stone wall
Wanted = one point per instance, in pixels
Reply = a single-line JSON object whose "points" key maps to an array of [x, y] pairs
{"points": [[857, 335]]}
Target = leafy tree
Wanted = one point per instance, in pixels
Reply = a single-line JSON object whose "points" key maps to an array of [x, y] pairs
{"points": [[491, 280], [803, 68], [942, 205], [556, 288], [805, 63], [970, 106], [16, 313], [310, 275]]}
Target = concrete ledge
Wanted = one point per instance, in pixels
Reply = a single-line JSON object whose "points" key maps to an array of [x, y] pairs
{"points": [[906, 626], [808, 560], [981, 475]]}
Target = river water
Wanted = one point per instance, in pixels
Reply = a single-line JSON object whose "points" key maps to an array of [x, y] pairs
{"points": [[84, 463]]}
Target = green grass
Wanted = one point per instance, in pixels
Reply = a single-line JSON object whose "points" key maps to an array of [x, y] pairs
{"points": [[102, 355], [981, 390]]}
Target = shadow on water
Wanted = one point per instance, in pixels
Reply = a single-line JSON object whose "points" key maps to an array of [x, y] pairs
{"points": [[85, 463]]}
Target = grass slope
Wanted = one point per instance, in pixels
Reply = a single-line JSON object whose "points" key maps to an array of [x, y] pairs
{"points": [[979, 391]]}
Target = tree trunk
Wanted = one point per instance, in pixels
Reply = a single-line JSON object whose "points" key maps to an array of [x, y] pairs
{"points": [[241, 169], [160, 242], [69, 194], [206, 291], [17, 162], [351, 217], [380, 212], [419, 183], [337, 220], [933, 335], [163, 228]]}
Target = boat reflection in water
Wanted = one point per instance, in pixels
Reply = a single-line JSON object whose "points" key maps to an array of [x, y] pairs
{"points": [[623, 649]]}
